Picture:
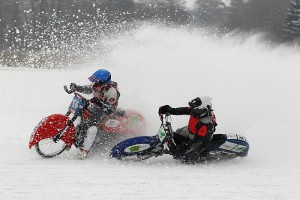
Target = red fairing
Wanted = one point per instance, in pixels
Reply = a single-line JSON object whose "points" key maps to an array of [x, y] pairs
{"points": [[131, 123], [49, 127]]}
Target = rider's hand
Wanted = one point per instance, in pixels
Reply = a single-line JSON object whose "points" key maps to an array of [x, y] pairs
{"points": [[95, 100], [105, 107], [164, 109], [73, 87]]}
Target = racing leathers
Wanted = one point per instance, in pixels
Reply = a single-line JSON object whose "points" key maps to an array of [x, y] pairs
{"points": [[104, 102], [191, 141]]}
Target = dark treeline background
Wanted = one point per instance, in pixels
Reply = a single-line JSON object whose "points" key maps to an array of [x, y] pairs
{"points": [[44, 32]]}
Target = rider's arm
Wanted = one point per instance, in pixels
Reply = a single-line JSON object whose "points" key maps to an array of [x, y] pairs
{"points": [[105, 107], [180, 111], [87, 89], [110, 101], [111, 97], [195, 112]]}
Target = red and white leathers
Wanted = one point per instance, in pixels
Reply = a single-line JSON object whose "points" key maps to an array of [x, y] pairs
{"points": [[107, 94]]}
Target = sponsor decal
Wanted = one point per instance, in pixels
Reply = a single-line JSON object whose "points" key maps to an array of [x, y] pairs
{"points": [[112, 123], [161, 135], [232, 147], [228, 146], [242, 138], [35, 128], [231, 136], [238, 148], [137, 148]]}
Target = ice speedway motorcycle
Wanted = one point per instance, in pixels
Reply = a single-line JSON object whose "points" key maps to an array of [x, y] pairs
{"points": [[222, 146], [56, 133]]}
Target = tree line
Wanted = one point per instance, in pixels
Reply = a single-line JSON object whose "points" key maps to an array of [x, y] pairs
{"points": [[29, 26]]}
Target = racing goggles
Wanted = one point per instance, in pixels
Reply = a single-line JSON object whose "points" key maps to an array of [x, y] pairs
{"points": [[98, 84]]}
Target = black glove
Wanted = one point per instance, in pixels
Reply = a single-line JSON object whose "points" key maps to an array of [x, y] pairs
{"points": [[73, 87], [164, 109], [95, 100], [105, 107]]}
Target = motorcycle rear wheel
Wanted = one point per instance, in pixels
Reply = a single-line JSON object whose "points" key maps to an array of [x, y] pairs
{"points": [[47, 148]]}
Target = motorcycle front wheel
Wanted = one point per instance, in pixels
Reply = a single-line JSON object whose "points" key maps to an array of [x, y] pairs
{"points": [[47, 148]]}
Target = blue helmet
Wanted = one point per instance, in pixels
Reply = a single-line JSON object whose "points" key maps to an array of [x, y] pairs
{"points": [[101, 76]]}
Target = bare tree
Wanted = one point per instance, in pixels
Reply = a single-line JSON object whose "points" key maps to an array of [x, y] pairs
{"points": [[1, 27], [34, 19], [209, 12], [292, 28], [15, 30], [42, 17]]}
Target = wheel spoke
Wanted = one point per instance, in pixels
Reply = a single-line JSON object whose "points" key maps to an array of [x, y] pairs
{"points": [[49, 148]]}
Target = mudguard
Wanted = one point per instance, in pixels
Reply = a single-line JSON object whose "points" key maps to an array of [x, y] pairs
{"points": [[133, 146], [132, 122], [232, 143], [49, 127]]}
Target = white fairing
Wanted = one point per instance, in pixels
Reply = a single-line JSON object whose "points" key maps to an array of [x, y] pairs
{"points": [[206, 101], [89, 140]]}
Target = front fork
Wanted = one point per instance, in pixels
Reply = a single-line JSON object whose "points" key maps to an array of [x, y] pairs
{"points": [[60, 133]]}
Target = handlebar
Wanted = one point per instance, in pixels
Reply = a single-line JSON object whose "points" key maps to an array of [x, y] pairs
{"points": [[106, 108], [67, 90], [165, 118]]}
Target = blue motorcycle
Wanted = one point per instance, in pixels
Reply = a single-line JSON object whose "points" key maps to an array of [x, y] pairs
{"points": [[221, 147]]}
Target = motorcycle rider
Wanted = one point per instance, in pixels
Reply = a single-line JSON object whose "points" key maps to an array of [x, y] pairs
{"points": [[105, 102], [192, 140]]}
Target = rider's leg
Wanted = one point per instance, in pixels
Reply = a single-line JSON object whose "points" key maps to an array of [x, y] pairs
{"points": [[89, 131], [81, 131], [88, 142], [181, 139]]}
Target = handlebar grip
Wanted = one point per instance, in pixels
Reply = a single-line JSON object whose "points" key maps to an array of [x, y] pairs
{"points": [[67, 90]]}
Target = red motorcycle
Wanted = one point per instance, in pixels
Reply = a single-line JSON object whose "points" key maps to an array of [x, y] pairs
{"points": [[56, 133]]}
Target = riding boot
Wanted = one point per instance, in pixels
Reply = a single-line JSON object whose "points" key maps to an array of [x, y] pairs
{"points": [[81, 132], [82, 154], [180, 150]]}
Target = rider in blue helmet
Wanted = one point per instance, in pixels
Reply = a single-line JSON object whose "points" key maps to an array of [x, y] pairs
{"points": [[104, 102], [101, 76]]}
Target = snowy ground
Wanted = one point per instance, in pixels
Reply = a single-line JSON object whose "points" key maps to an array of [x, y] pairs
{"points": [[255, 92]]}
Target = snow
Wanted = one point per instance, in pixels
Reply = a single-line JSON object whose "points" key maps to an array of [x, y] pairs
{"points": [[255, 93]]}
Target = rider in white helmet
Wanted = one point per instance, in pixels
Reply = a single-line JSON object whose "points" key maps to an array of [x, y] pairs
{"points": [[192, 140]]}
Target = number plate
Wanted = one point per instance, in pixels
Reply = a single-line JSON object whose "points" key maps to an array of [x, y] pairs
{"points": [[76, 105]]}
